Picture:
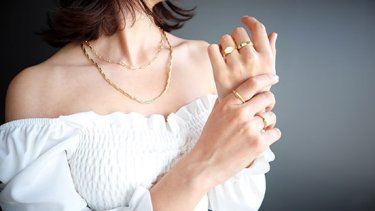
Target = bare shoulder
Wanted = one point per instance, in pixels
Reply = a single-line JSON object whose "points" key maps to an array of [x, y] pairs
{"points": [[32, 91], [194, 54], [25, 93], [196, 50]]}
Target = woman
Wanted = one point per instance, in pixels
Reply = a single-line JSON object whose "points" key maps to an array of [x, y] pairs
{"points": [[129, 117]]}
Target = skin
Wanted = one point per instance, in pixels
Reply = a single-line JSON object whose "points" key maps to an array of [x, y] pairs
{"points": [[68, 83], [231, 138]]}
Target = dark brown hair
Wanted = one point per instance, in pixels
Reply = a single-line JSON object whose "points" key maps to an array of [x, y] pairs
{"points": [[80, 20]]}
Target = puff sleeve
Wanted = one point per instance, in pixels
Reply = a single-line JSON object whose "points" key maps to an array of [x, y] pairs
{"points": [[35, 170], [245, 191]]}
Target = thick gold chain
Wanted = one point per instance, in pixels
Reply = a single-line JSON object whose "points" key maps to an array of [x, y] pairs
{"points": [[123, 92], [125, 65]]}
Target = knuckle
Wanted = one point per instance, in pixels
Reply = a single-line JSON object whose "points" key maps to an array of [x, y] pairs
{"points": [[259, 26], [267, 77], [241, 116], [273, 116], [225, 38], [269, 96], [248, 56], [257, 144], [246, 129], [238, 30], [249, 129], [255, 82], [254, 139], [273, 98], [212, 47]]}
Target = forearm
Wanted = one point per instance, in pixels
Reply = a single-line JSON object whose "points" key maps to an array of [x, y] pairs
{"points": [[182, 187], [231, 139]]}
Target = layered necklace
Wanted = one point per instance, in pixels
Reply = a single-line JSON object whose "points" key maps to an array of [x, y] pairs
{"points": [[123, 64]]}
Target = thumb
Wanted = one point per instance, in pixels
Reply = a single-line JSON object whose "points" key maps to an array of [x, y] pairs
{"points": [[217, 63]]}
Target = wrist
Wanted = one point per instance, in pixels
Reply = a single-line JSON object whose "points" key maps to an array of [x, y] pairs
{"points": [[183, 186], [196, 172]]}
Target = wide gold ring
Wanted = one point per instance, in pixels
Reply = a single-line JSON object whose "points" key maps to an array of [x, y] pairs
{"points": [[244, 44], [228, 50], [238, 96]]}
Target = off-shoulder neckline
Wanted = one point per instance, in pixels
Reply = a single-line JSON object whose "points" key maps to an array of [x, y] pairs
{"points": [[186, 109]]}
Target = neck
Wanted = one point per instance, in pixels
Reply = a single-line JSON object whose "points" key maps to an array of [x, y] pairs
{"points": [[136, 43]]}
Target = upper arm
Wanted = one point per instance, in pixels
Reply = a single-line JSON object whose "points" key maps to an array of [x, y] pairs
{"points": [[23, 95]]}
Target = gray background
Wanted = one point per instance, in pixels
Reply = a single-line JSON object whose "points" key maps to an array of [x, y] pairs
{"points": [[325, 107]]}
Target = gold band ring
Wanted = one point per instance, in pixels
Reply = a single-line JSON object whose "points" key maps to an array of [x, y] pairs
{"points": [[244, 44], [228, 50], [266, 120], [238, 96]]}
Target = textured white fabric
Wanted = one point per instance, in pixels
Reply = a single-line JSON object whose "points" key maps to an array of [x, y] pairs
{"points": [[87, 161]]}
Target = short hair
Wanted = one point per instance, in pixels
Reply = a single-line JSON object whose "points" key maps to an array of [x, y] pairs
{"points": [[85, 20]]}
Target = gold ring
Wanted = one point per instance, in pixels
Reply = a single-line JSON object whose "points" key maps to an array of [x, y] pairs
{"points": [[228, 50], [244, 44], [265, 118], [238, 96]]}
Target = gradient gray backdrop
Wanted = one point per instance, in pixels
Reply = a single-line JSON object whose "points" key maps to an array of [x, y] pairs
{"points": [[325, 107]]}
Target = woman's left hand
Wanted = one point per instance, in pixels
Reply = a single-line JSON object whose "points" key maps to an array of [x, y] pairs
{"points": [[232, 68]]}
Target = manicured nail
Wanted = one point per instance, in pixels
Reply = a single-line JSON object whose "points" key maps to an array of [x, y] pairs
{"points": [[276, 36], [276, 77]]}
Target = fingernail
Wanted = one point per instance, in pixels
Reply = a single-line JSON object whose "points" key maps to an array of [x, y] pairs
{"points": [[276, 77], [276, 36]]}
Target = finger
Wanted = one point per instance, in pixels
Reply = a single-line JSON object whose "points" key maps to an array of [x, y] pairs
{"points": [[269, 108], [257, 123], [217, 60], [271, 136], [240, 35], [268, 119], [252, 86], [259, 102], [227, 41], [258, 34], [218, 64], [272, 39]]}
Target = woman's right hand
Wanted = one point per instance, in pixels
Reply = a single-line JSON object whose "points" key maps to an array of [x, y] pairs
{"points": [[231, 139], [234, 134]]}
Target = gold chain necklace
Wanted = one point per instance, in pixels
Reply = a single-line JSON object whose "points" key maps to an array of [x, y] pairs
{"points": [[125, 65], [123, 92]]}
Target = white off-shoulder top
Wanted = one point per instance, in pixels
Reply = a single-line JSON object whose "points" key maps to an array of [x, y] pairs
{"points": [[87, 161]]}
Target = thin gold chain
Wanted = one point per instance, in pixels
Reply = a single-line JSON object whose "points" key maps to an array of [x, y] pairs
{"points": [[125, 65], [125, 93]]}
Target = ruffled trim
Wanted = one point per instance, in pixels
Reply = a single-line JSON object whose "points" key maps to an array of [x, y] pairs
{"points": [[29, 121], [135, 121]]}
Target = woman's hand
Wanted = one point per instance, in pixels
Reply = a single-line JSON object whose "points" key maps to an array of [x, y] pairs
{"points": [[253, 59], [235, 135]]}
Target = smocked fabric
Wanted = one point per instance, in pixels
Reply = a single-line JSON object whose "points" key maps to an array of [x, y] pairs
{"points": [[88, 161]]}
